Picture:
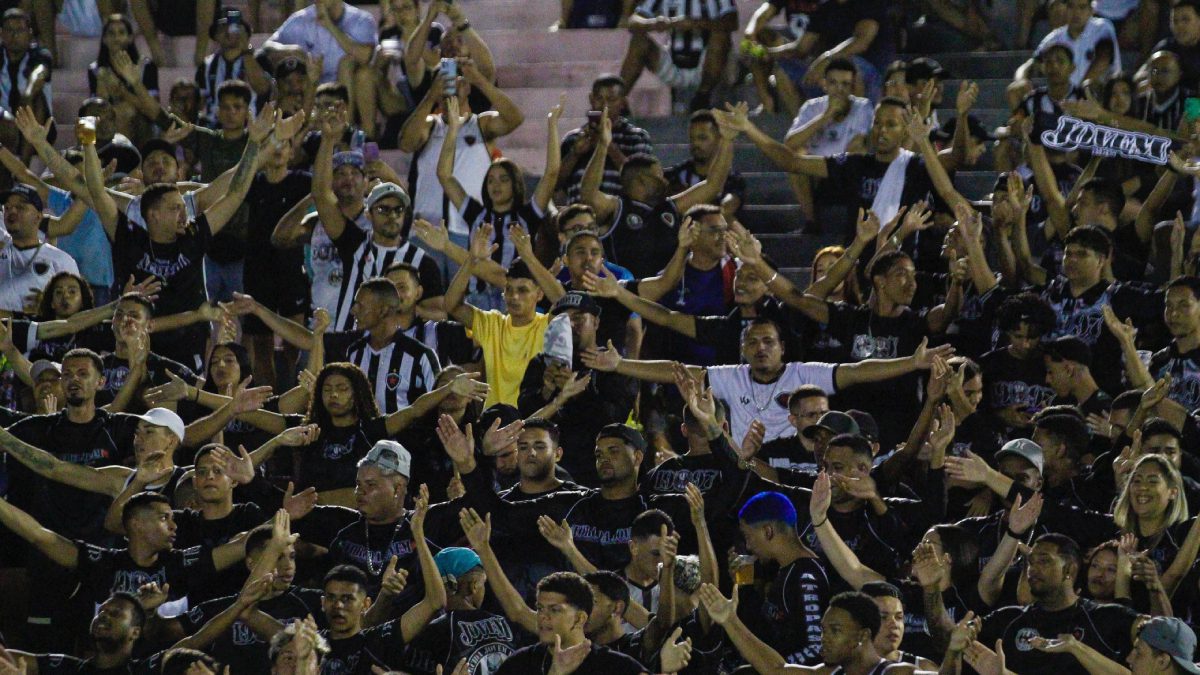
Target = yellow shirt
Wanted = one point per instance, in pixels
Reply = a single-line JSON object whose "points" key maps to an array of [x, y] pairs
{"points": [[507, 350]]}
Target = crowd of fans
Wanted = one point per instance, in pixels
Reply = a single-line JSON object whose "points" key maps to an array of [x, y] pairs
{"points": [[268, 407]]}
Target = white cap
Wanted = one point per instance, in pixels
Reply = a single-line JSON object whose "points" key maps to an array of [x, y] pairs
{"points": [[558, 343], [389, 456], [161, 417]]}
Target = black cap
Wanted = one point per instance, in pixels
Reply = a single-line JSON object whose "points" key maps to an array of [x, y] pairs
{"points": [[436, 32], [624, 432], [226, 18], [1069, 348], [924, 68], [835, 422], [27, 191], [290, 65], [576, 300], [867, 428], [157, 145], [974, 126]]}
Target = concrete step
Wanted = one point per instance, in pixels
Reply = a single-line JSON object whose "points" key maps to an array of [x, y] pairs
{"points": [[794, 249], [559, 75], [991, 92], [771, 218], [990, 117], [746, 157]]}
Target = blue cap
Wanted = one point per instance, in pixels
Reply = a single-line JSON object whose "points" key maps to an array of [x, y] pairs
{"points": [[768, 507], [456, 561], [352, 157]]}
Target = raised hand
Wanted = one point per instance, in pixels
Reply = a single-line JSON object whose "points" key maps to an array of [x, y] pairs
{"points": [[695, 501], [459, 445], [521, 241], [467, 386], [287, 127], [239, 467], [299, 504], [738, 111], [924, 356], [248, 399], [241, 304], [720, 608], [868, 226], [295, 437], [968, 92], [986, 661], [478, 530], [752, 441], [420, 510], [150, 596], [262, 125], [559, 535], [675, 653], [969, 468], [481, 246], [31, 129], [575, 386], [605, 360], [930, 569], [497, 437], [1022, 517], [822, 495], [567, 661], [556, 111], [603, 284], [964, 633], [918, 218], [394, 580], [454, 120], [917, 125], [256, 589], [606, 128], [437, 236], [1125, 331], [1063, 644]]}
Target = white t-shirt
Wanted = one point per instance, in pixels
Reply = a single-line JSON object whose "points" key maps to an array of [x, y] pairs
{"points": [[749, 400], [302, 29], [1113, 9], [325, 268], [833, 138], [471, 162], [1084, 47], [25, 270]]}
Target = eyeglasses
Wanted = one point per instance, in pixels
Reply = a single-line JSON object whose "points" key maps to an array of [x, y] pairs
{"points": [[389, 210]]}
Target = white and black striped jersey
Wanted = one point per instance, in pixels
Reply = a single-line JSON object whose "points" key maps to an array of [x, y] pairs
{"points": [[447, 339], [362, 259], [399, 372], [475, 214], [687, 46]]}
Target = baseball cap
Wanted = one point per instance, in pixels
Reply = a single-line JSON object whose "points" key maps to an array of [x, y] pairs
{"points": [[455, 561], [436, 32], [975, 126], [389, 456], [27, 191], [1025, 449], [157, 145], [1171, 635], [384, 190], [576, 300], [624, 432], [227, 18], [353, 158], [867, 428], [835, 422], [42, 365], [1069, 348], [591, 234], [290, 65], [161, 417], [924, 68], [1042, 50]]}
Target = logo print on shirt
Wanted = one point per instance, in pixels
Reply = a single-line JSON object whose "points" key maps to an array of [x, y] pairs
{"points": [[634, 222]]}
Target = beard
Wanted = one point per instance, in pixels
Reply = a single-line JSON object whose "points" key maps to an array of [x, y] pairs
{"points": [[538, 474]]}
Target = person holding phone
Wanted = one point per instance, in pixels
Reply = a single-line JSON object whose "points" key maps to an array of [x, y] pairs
{"points": [[608, 93], [233, 60]]}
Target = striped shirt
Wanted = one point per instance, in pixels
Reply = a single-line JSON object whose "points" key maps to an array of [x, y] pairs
{"points": [[475, 214], [687, 46], [628, 139], [399, 373], [362, 259]]}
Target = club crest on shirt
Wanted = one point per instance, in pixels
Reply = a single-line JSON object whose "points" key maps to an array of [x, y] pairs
{"points": [[393, 381], [634, 222], [1024, 636]]}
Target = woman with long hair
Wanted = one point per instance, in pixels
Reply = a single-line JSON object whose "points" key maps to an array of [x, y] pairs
{"points": [[1100, 572], [1152, 515], [117, 37], [344, 409]]}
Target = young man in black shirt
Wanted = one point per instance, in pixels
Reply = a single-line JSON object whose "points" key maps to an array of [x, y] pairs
{"points": [[1184, 42], [566, 600], [1052, 573], [1181, 360], [1069, 374], [638, 226], [171, 247]]}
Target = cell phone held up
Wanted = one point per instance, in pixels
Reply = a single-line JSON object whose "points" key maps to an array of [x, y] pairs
{"points": [[594, 116], [448, 70]]}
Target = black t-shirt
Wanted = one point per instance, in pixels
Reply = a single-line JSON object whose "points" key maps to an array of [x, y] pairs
{"points": [[856, 177], [104, 571], [724, 333], [240, 648], [614, 317], [116, 371], [683, 176], [894, 403], [98, 338], [381, 645], [642, 237], [1103, 627], [52, 664], [1065, 176], [792, 610], [107, 439], [1184, 370], [370, 547], [267, 203], [602, 661], [484, 639], [179, 265], [331, 461], [835, 22], [1010, 382], [193, 530]]}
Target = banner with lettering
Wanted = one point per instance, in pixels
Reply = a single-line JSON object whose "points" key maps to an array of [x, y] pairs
{"points": [[1066, 133]]}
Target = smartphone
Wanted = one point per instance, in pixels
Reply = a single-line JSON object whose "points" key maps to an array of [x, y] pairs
{"points": [[1191, 108], [449, 72], [370, 151], [594, 116]]}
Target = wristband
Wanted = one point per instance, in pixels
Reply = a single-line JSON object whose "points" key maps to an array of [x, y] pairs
{"points": [[816, 525], [1008, 530]]}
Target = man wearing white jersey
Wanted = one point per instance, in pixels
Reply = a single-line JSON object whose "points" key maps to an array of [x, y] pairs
{"points": [[424, 133], [1091, 39]]}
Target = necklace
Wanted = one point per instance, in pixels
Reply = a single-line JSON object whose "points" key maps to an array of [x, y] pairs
{"points": [[374, 568], [754, 392]]}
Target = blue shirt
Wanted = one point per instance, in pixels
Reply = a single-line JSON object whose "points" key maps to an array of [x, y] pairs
{"points": [[88, 244]]}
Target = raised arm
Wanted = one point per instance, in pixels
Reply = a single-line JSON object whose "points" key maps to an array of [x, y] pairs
{"points": [[1021, 518], [1059, 220], [219, 213], [605, 285], [296, 226], [445, 166], [654, 288], [50, 467], [610, 360], [479, 533], [757, 653], [505, 116], [416, 618], [712, 187], [918, 132], [54, 546], [550, 285], [875, 370], [462, 385], [545, 187], [589, 187], [419, 125], [783, 156], [102, 202], [843, 558]]}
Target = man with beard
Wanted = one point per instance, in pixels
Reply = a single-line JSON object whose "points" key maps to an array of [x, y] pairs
{"points": [[807, 408], [639, 226], [848, 630], [446, 338], [580, 404], [704, 138], [26, 262], [1180, 359], [118, 624], [1052, 571], [751, 389]]}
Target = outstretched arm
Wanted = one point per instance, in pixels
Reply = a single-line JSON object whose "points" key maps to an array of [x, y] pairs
{"points": [[54, 546], [783, 156], [52, 468], [875, 370]]}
